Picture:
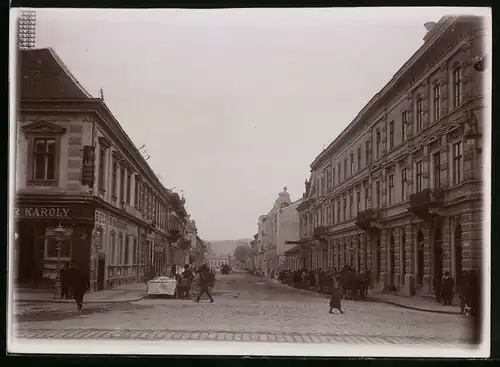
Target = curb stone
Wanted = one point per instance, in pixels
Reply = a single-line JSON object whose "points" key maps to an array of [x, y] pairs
{"points": [[416, 308]]}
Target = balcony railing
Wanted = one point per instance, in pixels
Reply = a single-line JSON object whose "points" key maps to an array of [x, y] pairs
{"points": [[366, 218], [320, 230], [427, 198], [368, 215], [423, 201]]}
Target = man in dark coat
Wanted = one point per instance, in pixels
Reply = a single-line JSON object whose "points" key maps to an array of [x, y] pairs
{"points": [[448, 286], [206, 280], [364, 283], [188, 273], [463, 290], [80, 280]]}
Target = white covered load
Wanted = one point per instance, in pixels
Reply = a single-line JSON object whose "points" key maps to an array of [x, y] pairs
{"points": [[162, 285]]}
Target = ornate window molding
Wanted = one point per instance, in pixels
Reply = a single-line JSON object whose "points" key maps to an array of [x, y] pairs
{"points": [[49, 132]]}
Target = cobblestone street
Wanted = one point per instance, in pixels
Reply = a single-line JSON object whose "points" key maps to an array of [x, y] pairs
{"points": [[248, 309]]}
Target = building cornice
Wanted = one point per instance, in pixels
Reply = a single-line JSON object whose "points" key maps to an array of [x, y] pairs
{"points": [[375, 102]]}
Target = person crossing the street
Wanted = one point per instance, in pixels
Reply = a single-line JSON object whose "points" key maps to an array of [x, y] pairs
{"points": [[335, 301], [206, 281], [79, 284]]}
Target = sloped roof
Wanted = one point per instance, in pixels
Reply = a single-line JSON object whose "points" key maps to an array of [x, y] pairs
{"points": [[43, 75]]}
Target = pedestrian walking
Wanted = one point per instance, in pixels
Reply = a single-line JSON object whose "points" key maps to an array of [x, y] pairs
{"points": [[335, 297], [447, 290], [80, 280], [206, 280]]}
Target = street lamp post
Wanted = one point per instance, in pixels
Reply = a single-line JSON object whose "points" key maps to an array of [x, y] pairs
{"points": [[60, 232]]}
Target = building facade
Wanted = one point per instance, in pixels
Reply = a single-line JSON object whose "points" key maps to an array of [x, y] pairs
{"points": [[75, 166], [275, 230], [254, 251], [399, 191], [261, 242]]}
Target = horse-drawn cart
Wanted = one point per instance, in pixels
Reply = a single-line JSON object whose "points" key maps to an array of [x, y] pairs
{"points": [[353, 286]]}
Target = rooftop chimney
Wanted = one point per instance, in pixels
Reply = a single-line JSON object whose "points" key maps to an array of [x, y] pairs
{"points": [[429, 26]]}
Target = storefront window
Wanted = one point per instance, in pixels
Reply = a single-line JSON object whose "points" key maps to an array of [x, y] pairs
{"points": [[51, 245], [51, 249]]}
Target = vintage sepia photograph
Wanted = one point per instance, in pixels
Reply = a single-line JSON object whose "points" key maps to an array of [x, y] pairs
{"points": [[280, 181]]}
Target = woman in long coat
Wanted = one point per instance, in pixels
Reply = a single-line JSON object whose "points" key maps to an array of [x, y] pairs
{"points": [[335, 297]]}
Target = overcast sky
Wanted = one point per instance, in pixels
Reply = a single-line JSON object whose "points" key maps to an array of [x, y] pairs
{"points": [[234, 104]]}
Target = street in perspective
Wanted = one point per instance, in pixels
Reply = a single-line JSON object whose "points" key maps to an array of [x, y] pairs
{"points": [[243, 182], [246, 308]]}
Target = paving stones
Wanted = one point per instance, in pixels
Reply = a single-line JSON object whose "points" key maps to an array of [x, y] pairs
{"points": [[276, 314], [169, 335]]}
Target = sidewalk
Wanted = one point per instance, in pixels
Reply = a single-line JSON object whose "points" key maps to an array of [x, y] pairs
{"points": [[418, 303], [124, 293], [421, 303]]}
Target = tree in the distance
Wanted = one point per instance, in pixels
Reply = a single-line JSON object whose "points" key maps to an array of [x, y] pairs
{"points": [[241, 252]]}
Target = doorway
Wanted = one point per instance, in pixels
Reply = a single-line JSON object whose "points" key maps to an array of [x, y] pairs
{"points": [[420, 258], [438, 254], [458, 252], [101, 266], [392, 266]]}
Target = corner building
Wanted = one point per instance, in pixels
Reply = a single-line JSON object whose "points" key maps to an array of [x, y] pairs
{"points": [[76, 166], [400, 190]]}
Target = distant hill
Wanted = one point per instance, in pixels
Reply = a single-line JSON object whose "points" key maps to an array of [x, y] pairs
{"points": [[227, 247]]}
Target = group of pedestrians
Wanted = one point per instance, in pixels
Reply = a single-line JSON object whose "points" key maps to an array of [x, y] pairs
{"points": [[322, 280], [318, 279], [467, 290], [346, 282], [203, 275]]}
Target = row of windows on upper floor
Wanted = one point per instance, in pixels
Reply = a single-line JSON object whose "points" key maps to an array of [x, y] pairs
{"points": [[335, 175], [341, 208], [141, 196], [44, 161]]}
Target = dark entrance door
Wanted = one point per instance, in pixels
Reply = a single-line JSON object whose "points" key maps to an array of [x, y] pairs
{"points": [[101, 265], [420, 258]]}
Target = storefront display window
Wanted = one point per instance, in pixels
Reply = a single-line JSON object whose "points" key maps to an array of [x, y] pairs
{"points": [[51, 245]]}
